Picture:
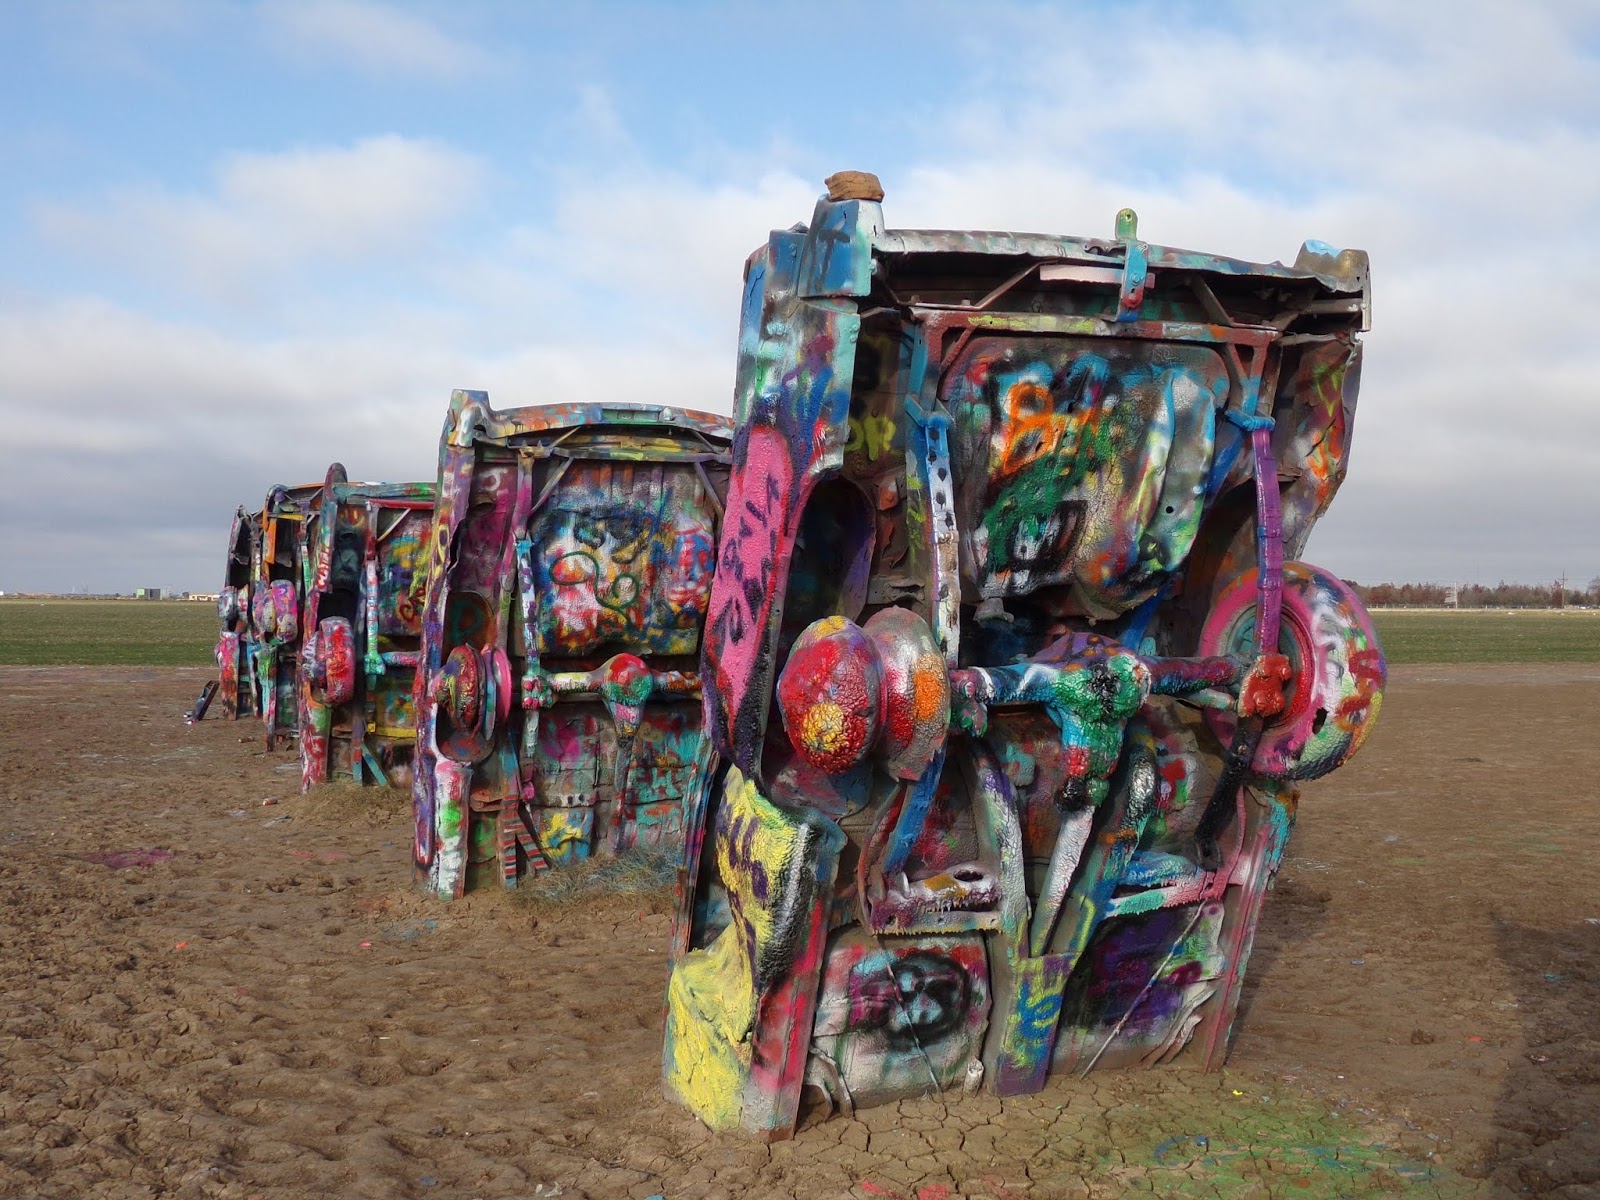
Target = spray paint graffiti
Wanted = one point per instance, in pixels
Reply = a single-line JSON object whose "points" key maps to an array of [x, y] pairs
{"points": [[362, 629], [236, 646], [740, 1011], [279, 579], [1068, 476], [898, 1016], [569, 567], [1007, 525]]}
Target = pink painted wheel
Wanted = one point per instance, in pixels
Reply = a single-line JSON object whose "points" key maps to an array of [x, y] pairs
{"points": [[261, 616], [276, 612], [473, 691], [227, 652], [1337, 670], [336, 660]]}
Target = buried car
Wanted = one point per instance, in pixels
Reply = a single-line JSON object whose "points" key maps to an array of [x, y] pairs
{"points": [[570, 566], [235, 650], [1010, 672], [278, 582], [361, 631]]}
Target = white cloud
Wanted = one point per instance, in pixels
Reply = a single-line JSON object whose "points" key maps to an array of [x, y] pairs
{"points": [[667, 249], [271, 216], [377, 38], [1458, 145], [172, 426]]}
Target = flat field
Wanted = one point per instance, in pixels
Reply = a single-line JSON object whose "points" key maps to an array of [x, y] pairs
{"points": [[1488, 635], [205, 997], [174, 633], [102, 633]]}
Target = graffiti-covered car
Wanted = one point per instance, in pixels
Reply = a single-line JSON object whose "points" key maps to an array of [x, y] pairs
{"points": [[361, 630], [277, 596], [570, 566], [235, 650], [1010, 672]]}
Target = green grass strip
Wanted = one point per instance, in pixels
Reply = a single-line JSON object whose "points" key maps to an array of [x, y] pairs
{"points": [[1488, 636], [153, 633], [178, 633]]}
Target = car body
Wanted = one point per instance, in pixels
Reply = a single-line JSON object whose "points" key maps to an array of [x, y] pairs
{"points": [[361, 629], [1008, 686], [278, 582], [570, 564], [235, 651]]}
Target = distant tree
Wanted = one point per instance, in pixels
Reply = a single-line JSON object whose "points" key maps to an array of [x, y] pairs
{"points": [[1475, 595]]}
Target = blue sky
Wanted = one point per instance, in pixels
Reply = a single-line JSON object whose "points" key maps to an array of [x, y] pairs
{"points": [[241, 240]]}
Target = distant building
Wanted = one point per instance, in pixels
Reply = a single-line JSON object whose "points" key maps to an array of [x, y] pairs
{"points": [[147, 593]]}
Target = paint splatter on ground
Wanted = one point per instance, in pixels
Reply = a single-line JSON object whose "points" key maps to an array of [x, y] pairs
{"points": [[326, 1031], [119, 859]]}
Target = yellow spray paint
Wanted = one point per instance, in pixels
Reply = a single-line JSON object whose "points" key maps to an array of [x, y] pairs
{"points": [[711, 996]]}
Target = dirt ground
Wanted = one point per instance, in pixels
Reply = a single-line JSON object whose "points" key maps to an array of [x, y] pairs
{"points": [[206, 996]]}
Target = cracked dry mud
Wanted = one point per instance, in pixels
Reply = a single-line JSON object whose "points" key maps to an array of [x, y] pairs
{"points": [[273, 1012]]}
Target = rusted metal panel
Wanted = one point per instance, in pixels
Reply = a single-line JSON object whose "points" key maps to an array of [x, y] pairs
{"points": [[570, 565], [1008, 522]]}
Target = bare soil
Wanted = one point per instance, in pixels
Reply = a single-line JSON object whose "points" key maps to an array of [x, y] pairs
{"points": [[207, 996]]}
